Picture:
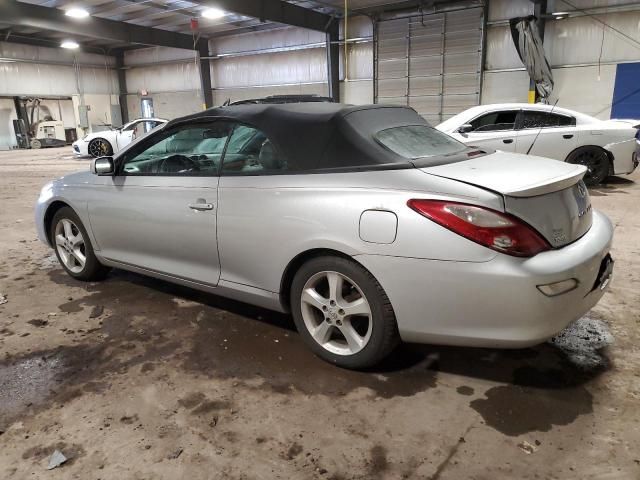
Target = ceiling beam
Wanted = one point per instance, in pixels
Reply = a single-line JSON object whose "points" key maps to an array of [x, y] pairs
{"points": [[275, 11], [52, 19]]}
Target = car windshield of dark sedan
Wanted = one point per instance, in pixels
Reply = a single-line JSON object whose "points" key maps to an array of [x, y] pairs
{"points": [[418, 141]]}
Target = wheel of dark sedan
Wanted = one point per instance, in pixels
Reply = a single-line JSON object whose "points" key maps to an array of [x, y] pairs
{"points": [[595, 159], [73, 247], [99, 147], [342, 312]]}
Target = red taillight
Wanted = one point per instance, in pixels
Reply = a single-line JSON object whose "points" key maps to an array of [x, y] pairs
{"points": [[498, 231]]}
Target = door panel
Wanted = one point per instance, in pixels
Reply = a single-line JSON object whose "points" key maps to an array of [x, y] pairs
{"points": [[554, 143], [497, 140], [150, 222], [124, 138], [555, 133]]}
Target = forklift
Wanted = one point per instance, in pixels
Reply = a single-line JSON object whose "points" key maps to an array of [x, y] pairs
{"points": [[35, 132]]}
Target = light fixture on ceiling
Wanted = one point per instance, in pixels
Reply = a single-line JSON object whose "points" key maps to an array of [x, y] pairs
{"points": [[77, 13], [213, 13], [560, 15], [69, 44]]}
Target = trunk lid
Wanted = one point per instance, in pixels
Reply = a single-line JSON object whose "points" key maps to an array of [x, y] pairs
{"points": [[547, 194]]}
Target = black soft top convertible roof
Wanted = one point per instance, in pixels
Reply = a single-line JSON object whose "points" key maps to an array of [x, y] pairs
{"points": [[320, 136]]}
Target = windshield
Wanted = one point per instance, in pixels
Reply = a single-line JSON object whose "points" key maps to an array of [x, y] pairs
{"points": [[418, 141]]}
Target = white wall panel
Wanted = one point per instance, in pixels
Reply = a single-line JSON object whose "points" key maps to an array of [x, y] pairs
{"points": [[42, 79], [299, 66], [147, 56], [248, 42], [504, 87], [100, 112], [578, 88], [235, 94], [357, 92], [360, 62], [164, 78], [44, 54], [506, 9], [501, 52], [577, 40], [357, 27], [167, 105]]}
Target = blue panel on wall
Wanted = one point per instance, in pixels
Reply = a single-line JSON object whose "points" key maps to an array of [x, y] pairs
{"points": [[626, 93]]}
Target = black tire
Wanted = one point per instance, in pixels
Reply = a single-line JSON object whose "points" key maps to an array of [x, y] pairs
{"points": [[99, 147], [595, 159], [93, 270], [384, 330]]}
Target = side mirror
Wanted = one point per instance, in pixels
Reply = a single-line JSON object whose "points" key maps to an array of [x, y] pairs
{"points": [[103, 166], [467, 127]]}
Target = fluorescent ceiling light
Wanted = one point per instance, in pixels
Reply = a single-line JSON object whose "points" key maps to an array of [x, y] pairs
{"points": [[77, 13], [213, 13], [557, 14], [70, 44]]}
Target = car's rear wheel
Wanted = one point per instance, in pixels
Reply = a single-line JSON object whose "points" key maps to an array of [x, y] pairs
{"points": [[99, 147], [73, 247], [342, 312], [595, 159]]}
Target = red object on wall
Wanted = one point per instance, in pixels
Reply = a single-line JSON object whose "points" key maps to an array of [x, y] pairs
{"points": [[194, 24]]}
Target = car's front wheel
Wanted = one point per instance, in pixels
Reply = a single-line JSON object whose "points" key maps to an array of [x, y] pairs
{"points": [[99, 147], [73, 247], [595, 159], [342, 312]]}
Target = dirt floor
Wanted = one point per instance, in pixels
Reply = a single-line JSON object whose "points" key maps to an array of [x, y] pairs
{"points": [[133, 378]]}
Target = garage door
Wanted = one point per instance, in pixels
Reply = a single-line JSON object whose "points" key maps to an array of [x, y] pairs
{"points": [[430, 62]]}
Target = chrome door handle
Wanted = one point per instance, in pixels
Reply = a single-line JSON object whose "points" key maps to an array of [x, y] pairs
{"points": [[201, 206]]}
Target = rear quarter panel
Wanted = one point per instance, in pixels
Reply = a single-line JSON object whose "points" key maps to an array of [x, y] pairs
{"points": [[266, 221], [614, 137]]}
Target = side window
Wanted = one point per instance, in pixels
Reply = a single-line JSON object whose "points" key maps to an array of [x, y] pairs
{"points": [[537, 119], [193, 150], [249, 151], [495, 121]]}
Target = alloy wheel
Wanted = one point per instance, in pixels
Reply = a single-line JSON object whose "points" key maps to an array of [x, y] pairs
{"points": [[70, 245], [99, 148], [336, 313], [597, 165]]}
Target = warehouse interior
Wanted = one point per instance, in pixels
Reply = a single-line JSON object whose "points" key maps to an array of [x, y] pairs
{"points": [[440, 58], [135, 377]]}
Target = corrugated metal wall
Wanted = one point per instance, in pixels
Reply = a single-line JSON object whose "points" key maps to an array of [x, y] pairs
{"points": [[431, 62], [28, 70], [287, 60], [584, 78]]}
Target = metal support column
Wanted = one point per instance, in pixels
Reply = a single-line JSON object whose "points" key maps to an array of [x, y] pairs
{"points": [[122, 86], [333, 60], [205, 74], [539, 11]]}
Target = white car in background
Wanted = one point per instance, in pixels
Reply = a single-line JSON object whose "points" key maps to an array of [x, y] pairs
{"points": [[109, 142], [605, 147]]}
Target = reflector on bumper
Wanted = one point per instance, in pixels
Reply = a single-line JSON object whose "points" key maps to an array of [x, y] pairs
{"points": [[558, 288]]}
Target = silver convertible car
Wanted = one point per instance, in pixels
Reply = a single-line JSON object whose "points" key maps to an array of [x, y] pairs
{"points": [[365, 223]]}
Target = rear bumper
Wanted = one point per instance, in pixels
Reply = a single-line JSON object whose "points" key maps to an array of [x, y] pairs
{"points": [[494, 303]]}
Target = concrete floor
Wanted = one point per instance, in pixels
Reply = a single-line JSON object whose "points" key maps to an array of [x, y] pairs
{"points": [[139, 379]]}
